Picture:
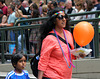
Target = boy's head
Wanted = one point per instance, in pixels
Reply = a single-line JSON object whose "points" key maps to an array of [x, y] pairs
{"points": [[16, 58]]}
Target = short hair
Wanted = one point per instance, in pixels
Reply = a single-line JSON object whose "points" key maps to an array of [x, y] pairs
{"points": [[15, 58], [12, 7]]}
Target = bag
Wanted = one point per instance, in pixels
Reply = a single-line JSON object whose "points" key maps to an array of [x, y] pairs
{"points": [[34, 64], [34, 61]]}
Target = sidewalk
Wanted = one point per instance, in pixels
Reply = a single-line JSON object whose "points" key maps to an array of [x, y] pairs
{"points": [[3, 75]]}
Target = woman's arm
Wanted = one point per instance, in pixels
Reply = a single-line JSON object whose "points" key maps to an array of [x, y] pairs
{"points": [[40, 74], [4, 19]]}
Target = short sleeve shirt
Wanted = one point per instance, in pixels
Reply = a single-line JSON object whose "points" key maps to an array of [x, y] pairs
{"points": [[52, 61], [13, 75], [12, 18]]}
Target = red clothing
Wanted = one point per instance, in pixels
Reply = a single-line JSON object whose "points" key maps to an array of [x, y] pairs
{"points": [[52, 61], [4, 9]]}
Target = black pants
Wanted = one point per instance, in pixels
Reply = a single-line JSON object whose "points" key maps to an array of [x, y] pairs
{"points": [[45, 78]]}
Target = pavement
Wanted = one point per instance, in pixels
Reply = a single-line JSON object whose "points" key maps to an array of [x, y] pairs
{"points": [[3, 75]]}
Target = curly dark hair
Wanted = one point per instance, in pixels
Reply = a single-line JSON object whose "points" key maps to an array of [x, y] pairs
{"points": [[49, 24]]}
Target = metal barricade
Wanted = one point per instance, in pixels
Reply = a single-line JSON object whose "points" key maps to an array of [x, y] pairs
{"points": [[16, 28]]}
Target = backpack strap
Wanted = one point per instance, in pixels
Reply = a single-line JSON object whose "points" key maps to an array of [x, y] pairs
{"points": [[59, 38]]}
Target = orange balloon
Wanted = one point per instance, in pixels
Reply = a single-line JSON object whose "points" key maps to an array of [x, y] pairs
{"points": [[83, 33]]}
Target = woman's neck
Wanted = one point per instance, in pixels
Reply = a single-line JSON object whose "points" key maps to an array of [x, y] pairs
{"points": [[60, 31]]}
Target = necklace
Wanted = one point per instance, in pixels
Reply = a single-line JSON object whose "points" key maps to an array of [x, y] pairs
{"points": [[64, 54], [16, 74]]}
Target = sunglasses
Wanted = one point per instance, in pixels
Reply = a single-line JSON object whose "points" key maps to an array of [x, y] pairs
{"points": [[60, 17]]}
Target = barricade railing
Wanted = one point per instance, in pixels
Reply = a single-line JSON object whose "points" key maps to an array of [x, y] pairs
{"points": [[16, 28]]}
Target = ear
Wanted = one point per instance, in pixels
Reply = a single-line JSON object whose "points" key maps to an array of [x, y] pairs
{"points": [[14, 65]]}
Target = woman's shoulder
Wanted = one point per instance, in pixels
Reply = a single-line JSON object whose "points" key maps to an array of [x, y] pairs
{"points": [[50, 37]]}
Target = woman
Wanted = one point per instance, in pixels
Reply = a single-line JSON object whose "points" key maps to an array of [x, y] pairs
{"points": [[55, 59], [90, 7], [19, 17], [34, 33], [80, 9]]}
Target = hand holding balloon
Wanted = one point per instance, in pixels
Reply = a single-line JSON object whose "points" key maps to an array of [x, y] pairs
{"points": [[83, 33]]}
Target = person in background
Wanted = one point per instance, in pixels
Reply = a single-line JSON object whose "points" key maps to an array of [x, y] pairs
{"points": [[69, 8], [96, 4], [32, 6], [55, 58], [40, 6], [79, 6], [18, 61], [53, 5], [3, 7], [20, 7], [44, 11], [61, 4], [25, 5], [13, 2], [49, 5], [3, 18], [34, 33], [19, 17], [90, 7], [10, 22]]}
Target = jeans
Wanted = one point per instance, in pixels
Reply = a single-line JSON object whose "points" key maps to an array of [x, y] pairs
{"points": [[12, 36], [20, 44]]}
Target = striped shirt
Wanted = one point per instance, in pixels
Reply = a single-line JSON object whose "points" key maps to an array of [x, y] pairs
{"points": [[13, 75]]}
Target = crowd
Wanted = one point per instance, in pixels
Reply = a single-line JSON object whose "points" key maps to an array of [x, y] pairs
{"points": [[23, 9]]}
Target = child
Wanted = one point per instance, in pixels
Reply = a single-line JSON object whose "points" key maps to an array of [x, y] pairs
{"points": [[18, 61]]}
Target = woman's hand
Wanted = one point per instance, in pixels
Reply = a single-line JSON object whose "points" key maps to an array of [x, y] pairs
{"points": [[40, 74]]}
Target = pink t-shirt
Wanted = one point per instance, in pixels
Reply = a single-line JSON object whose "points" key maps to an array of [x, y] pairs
{"points": [[4, 9], [52, 61]]}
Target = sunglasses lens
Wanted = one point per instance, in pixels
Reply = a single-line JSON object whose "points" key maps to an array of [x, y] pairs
{"points": [[60, 17]]}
